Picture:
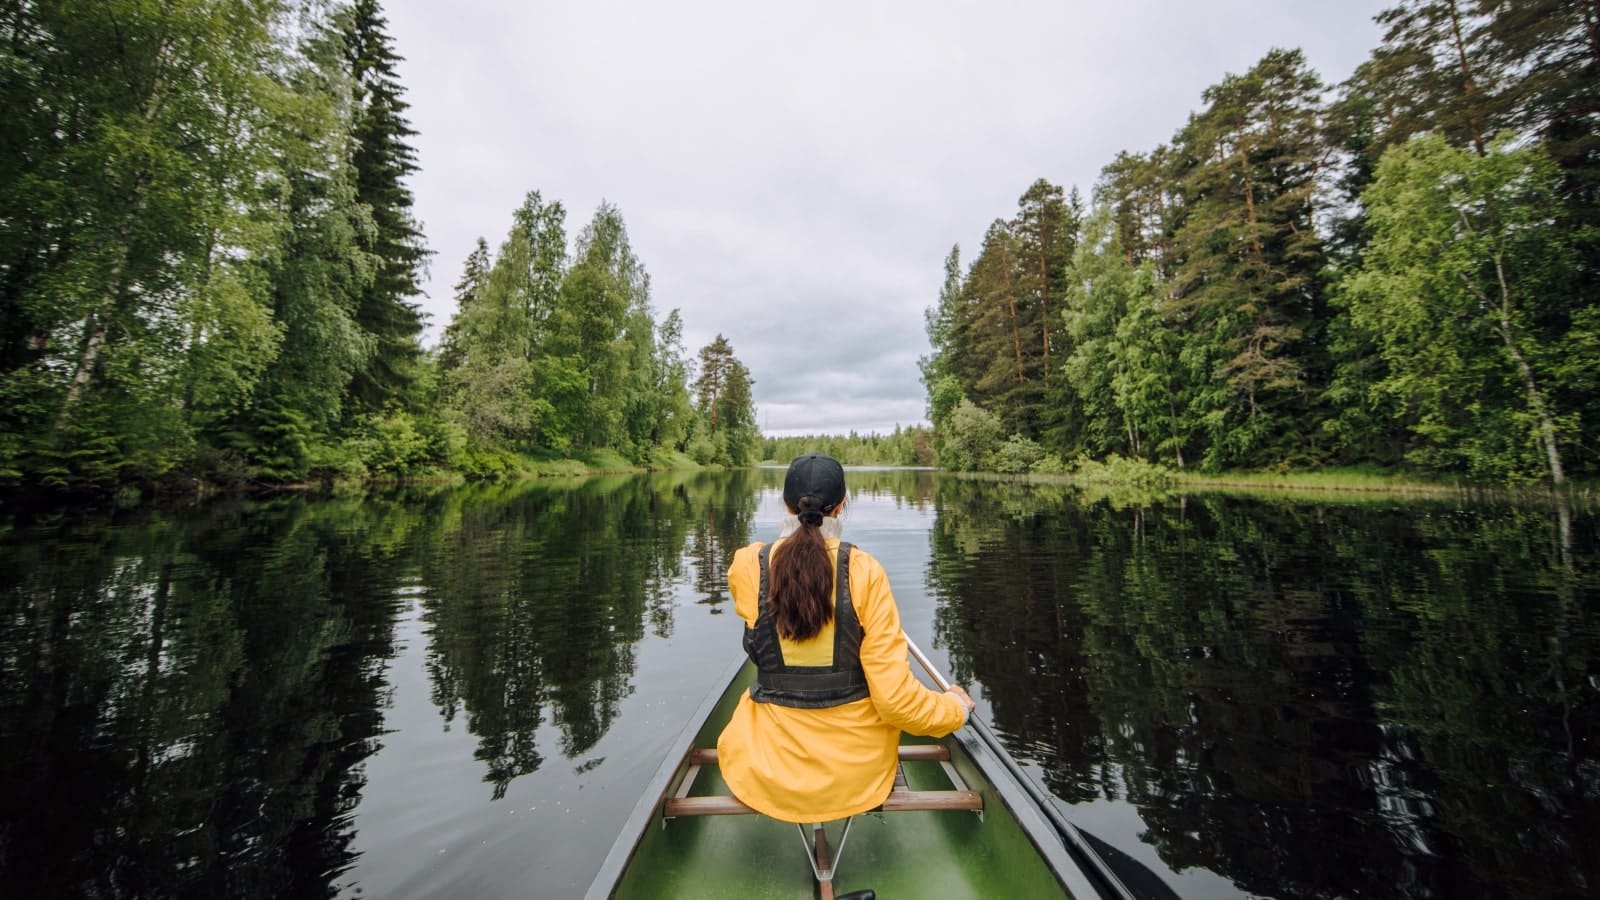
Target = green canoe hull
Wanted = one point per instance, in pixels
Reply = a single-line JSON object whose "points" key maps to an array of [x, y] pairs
{"points": [[1011, 849]]}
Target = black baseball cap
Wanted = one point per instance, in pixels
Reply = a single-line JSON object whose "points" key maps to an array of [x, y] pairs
{"points": [[814, 475]]}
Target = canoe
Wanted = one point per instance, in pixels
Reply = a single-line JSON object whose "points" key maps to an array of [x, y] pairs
{"points": [[963, 820]]}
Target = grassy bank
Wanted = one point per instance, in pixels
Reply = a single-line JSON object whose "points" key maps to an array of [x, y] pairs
{"points": [[1132, 479], [1361, 480]]}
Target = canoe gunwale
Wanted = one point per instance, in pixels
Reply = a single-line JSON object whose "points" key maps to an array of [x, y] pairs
{"points": [[655, 793]]}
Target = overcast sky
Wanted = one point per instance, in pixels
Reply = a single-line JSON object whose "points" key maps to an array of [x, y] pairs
{"points": [[793, 174]]}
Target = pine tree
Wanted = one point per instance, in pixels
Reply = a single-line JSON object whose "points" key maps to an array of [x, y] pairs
{"points": [[1142, 193], [737, 436], [997, 361], [1047, 225], [716, 360], [725, 405], [316, 277], [1434, 75], [1247, 290]]}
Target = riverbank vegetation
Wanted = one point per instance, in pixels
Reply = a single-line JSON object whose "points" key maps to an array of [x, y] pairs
{"points": [[1398, 273], [210, 268]]}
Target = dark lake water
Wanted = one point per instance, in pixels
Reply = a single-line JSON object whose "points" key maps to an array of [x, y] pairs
{"points": [[459, 692]]}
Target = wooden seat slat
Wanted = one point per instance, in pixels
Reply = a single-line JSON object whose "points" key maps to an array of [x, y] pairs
{"points": [[898, 801], [908, 753], [905, 801], [717, 805]]}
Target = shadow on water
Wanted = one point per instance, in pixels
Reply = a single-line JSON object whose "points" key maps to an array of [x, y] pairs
{"points": [[1309, 700], [187, 699]]}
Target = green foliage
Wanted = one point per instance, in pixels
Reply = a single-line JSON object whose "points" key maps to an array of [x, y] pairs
{"points": [[972, 434], [282, 443], [1467, 241], [702, 449], [1122, 471], [398, 443], [543, 357], [1050, 464], [1016, 455], [480, 463]]}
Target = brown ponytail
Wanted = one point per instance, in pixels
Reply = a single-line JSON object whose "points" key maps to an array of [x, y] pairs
{"points": [[801, 592]]}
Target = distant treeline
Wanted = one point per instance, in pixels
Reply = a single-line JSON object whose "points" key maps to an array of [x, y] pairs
{"points": [[210, 265], [903, 447], [1401, 271]]}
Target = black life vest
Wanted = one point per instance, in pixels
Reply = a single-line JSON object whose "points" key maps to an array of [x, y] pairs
{"points": [[808, 687]]}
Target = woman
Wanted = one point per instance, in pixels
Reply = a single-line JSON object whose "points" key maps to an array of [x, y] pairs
{"points": [[817, 736]]}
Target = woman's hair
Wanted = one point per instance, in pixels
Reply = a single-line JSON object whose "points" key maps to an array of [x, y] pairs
{"points": [[801, 588]]}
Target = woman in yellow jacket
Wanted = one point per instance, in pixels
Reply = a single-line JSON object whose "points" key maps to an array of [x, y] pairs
{"points": [[816, 737]]}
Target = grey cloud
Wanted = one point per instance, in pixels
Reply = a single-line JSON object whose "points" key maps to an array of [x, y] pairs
{"points": [[793, 175]]}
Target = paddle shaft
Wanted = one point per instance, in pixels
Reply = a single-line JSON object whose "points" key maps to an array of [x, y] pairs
{"points": [[1068, 830], [927, 664]]}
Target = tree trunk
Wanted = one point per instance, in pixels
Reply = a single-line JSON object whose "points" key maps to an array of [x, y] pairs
{"points": [[94, 329], [1536, 400], [1011, 307], [1468, 86], [1044, 308], [1591, 27], [1250, 206]]}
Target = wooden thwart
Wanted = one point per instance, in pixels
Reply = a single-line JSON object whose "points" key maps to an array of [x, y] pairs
{"points": [[900, 799], [908, 753]]}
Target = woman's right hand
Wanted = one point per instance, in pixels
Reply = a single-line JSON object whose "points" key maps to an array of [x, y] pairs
{"points": [[960, 693]]}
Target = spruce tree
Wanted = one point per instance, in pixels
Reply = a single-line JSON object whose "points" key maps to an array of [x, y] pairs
{"points": [[383, 159]]}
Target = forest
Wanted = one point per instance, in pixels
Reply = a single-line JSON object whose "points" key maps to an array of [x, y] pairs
{"points": [[210, 266], [1397, 272]]}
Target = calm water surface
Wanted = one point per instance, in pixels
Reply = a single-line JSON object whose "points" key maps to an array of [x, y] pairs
{"points": [[459, 692]]}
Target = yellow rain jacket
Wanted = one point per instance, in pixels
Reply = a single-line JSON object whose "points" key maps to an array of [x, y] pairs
{"points": [[817, 765]]}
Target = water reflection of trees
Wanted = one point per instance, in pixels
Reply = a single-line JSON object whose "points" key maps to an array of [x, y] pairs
{"points": [[186, 702], [723, 507], [537, 594], [1310, 700]]}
